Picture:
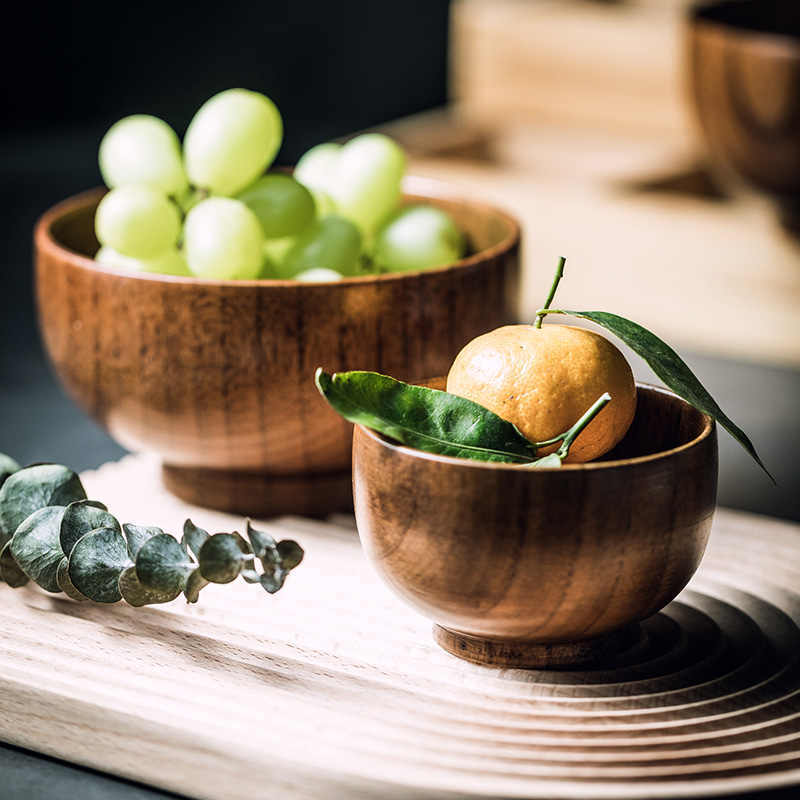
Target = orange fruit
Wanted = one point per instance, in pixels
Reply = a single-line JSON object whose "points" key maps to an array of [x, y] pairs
{"points": [[544, 379]]}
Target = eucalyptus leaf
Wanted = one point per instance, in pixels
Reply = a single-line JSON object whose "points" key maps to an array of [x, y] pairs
{"points": [[81, 517], [222, 557], [137, 535], [163, 564], [62, 576], [194, 583], [136, 594], [96, 562], [291, 554], [193, 537], [32, 488], [7, 467], [249, 572], [671, 368], [36, 547], [274, 581], [261, 541], [427, 419], [9, 569]]}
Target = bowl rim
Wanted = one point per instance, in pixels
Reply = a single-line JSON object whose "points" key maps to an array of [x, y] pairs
{"points": [[413, 186], [782, 45], [709, 427]]}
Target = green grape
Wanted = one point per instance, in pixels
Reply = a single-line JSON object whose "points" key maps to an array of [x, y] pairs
{"points": [[316, 169], [275, 250], [369, 172], [323, 203], [283, 206], [222, 239], [318, 275], [137, 221], [142, 149], [170, 262], [330, 243], [231, 140], [418, 237]]}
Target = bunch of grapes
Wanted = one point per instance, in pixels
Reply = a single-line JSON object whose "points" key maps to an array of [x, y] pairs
{"points": [[209, 210]]}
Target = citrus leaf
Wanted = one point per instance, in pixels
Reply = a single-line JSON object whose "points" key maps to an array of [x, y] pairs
{"points": [[671, 368], [162, 564], [80, 517], [36, 547], [32, 488], [194, 583], [193, 537], [137, 595], [427, 419], [222, 557], [9, 569], [553, 460], [96, 562], [65, 584], [137, 535], [7, 467]]}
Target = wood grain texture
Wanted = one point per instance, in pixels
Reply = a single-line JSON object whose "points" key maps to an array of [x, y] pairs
{"points": [[218, 375], [746, 90], [333, 688], [515, 555]]}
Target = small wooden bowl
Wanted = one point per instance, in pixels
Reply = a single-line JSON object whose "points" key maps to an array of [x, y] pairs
{"points": [[542, 567], [744, 68], [216, 377]]}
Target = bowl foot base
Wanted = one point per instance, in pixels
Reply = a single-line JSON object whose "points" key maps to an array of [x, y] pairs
{"points": [[541, 655], [261, 494]]}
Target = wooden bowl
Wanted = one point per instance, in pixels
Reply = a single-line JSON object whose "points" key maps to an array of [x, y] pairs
{"points": [[744, 66], [216, 377], [542, 567]]}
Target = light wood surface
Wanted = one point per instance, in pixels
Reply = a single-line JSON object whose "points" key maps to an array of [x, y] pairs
{"points": [[720, 278], [333, 688], [217, 376], [510, 560]]}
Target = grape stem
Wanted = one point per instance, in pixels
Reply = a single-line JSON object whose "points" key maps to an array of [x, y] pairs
{"points": [[559, 275]]}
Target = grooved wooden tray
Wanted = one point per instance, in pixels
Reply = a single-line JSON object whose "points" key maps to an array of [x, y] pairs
{"points": [[333, 688]]}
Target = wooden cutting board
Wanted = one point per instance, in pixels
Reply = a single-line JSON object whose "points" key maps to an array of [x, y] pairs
{"points": [[333, 688]]}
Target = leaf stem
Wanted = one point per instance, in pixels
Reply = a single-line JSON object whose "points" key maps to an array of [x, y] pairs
{"points": [[575, 431], [556, 280]]}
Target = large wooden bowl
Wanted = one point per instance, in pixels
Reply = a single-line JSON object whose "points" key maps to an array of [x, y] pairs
{"points": [[216, 377], [744, 67], [542, 567]]}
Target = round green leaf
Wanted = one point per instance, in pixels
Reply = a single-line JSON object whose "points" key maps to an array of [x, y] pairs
{"points": [[222, 557], [36, 547], [62, 576], [7, 467], [193, 537], [81, 517], [137, 535], [291, 554], [135, 594], [162, 564], [9, 569], [33, 488], [194, 584], [96, 562]]}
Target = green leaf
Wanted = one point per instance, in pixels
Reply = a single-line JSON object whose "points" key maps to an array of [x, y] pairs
{"points": [[427, 419], [193, 537], [7, 467], [137, 535], [194, 583], [36, 547], [671, 368], [261, 541], [290, 553], [136, 594], [546, 462], [33, 488], [65, 583], [81, 517], [96, 562], [222, 557], [273, 581], [163, 564], [9, 569]]}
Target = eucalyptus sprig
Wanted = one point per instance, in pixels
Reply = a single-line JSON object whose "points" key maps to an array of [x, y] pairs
{"points": [[52, 534]]}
